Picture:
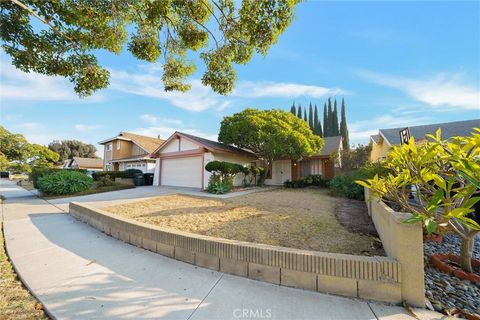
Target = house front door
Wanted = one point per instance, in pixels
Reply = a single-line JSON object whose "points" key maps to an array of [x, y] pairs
{"points": [[282, 171]]}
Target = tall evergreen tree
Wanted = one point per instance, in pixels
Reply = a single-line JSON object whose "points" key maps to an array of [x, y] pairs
{"points": [[317, 126], [335, 129], [344, 128], [293, 110], [299, 111], [310, 116], [325, 120], [305, 115], [330, 131]]}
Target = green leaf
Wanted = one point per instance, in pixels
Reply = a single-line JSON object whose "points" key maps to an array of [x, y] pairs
{"points": [[413, 219], [431, 226]]}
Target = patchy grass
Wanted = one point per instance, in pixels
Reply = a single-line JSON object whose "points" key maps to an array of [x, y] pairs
{"points": [[15, 301], [115, 187], [295, 218]]}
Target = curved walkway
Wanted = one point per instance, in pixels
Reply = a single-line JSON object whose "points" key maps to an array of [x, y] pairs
{"points": [[80, 273]]}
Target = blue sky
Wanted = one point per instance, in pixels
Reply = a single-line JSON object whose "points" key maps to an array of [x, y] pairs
{"points": [[396, 64]]}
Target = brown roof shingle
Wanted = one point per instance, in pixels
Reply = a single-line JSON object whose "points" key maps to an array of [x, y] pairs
{"points": [[148, 143], [89, 163]]}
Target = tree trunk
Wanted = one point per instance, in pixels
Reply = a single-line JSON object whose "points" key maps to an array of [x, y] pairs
{"points": [[466, 251]]}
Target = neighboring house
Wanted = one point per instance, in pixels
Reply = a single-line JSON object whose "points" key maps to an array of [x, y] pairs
{"points": [[130, 151], [90, 164], [181, 160], [386, 138]]}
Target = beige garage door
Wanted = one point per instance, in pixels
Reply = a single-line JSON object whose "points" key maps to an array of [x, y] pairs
{"points": [[182, 172]]}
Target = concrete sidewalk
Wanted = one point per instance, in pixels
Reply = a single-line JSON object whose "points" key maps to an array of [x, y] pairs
{"points": [[80, 273]]}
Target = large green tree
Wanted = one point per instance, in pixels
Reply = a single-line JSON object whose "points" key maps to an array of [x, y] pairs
{"points": [[299, 111], [67, 149], [21, 155], [270, 135], [331, 130], [72, 33], [344, 128]]}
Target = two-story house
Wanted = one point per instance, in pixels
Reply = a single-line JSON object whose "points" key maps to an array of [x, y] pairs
{"points": [[130, 151]]}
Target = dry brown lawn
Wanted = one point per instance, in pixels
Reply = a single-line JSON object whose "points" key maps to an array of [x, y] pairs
{"points": [[295, 218]]}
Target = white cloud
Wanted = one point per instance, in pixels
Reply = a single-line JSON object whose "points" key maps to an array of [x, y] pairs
{"points": [[148, 83], [19, 85], [29, 126], [154, 120], [360, 131], [448, 91], [85, 127], [271, 89], [198, 98]]}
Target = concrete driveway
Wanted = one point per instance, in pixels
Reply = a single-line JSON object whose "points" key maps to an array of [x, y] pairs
{"points": [[80, 273]]}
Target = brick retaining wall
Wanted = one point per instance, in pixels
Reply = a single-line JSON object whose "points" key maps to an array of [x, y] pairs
{"points": [[376, 278]]}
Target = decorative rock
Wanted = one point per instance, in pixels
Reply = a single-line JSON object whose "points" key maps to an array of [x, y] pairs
{"points": [[447, 293]]}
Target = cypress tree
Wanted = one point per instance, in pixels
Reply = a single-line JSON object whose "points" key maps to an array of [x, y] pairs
{"points": [[310, 116], [305, 115], [336, 131], [331, 130], [293, 110], [299, 111], [344, 129], [325, 120], [317, 126]]}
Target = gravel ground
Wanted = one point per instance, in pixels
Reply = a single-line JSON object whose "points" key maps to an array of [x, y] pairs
{"points": [[446, 292], [294, 218]]}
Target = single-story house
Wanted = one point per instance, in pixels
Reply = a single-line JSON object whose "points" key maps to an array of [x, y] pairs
{"points": [[90, 164], [181, 160], [130, 151], [386, 138]]}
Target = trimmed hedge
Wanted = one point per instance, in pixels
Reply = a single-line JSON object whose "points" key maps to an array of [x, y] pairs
{"points": [[41, 172], [130, 173], [64, 182]]}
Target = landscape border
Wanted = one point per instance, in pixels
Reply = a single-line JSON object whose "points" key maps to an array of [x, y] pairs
{"points": [[375, 278]]}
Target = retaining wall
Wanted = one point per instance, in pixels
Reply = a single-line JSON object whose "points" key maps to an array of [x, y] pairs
{"points": [[376, 278], [404, 243]]}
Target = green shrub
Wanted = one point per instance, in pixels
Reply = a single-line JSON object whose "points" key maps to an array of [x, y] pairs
{"points": [[64, 182], [104, 181], [41, 172], [310, 180], [345, 186], [218, 186], [130, 173]]}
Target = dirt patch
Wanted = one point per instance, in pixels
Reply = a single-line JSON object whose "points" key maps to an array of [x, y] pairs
{"points": [[353, 215], [302, 218]]}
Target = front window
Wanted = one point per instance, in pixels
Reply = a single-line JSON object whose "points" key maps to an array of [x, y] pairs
{"points": [[109, 147], [118, 145]]}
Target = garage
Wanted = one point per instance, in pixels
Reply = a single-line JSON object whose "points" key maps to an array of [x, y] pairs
{"points": [[182, 172]]}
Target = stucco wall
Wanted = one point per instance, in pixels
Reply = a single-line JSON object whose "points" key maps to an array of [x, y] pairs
{"points": [[404, 243]]}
